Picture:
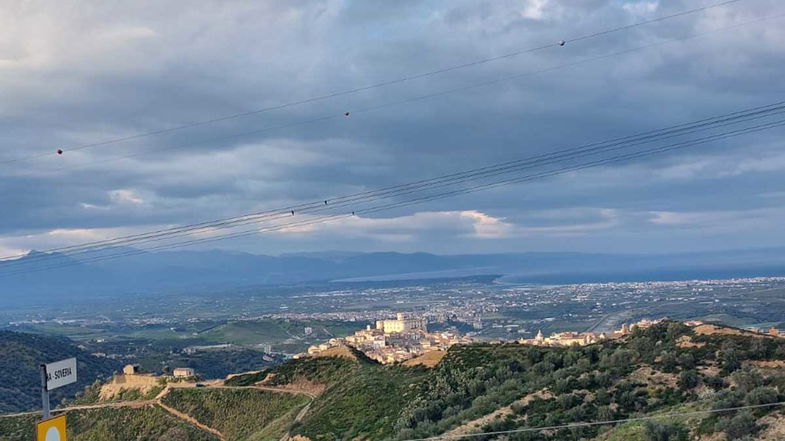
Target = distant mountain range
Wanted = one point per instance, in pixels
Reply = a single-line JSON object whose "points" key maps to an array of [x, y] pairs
{"points": [[59, 276]]}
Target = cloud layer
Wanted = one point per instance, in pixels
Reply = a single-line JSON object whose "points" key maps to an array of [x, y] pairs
{"points": [[74, 74]]}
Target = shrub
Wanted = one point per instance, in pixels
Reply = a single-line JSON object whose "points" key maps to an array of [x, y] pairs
{"points": [[688, 380], [741, 425], [747, 379], [665, 432], [761, 395]]}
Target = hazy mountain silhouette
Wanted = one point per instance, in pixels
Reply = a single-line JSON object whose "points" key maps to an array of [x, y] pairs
{"points": [[58, 276]]}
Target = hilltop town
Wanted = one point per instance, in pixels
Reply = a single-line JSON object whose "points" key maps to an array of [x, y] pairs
{"points": [[395, 340], [403, 338], [587, 338]]}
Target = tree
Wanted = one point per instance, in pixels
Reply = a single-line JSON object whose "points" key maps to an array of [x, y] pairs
{"points": [[728, 398], [543, 368], [688, 380], [669, 361], [731, 360], [686, 360], [713, 382], [747, 379], [555, 359], [737, 427], [761, 395], [620, 358], [606, 413], [675, 330]]}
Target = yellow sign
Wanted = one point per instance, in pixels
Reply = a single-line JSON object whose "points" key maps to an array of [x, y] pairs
{"points": [[52, 429]]}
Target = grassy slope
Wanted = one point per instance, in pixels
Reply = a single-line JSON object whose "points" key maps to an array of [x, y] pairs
{"points": [[626, 432], [361, 399], [122, 424], [20, 428], [365, 405], [277, 428], [238, 414]]}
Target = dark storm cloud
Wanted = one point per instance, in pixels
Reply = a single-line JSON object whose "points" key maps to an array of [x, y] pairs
{"points": [[72, 75]]}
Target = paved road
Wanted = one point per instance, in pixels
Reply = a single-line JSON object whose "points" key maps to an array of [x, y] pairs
{"points": [[596, 324]]}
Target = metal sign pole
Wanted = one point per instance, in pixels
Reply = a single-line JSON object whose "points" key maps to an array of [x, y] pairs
{"points": [[44, 393]]}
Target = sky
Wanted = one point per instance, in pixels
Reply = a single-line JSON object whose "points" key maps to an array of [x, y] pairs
{"points": [[79, 73]]}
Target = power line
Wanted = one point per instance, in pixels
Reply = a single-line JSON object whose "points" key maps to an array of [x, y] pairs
{"points": [[464, 88], [440, 181], [384, 83], [485, 186], [602, 423], [389, 192]]}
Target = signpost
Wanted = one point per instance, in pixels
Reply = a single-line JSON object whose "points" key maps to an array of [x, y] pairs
{"points": [[53, 375], [60, 373]]}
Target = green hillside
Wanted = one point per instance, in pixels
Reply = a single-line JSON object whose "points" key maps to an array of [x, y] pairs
{"points": [[668, 368], [20, 378], [360, 398], [493, 387], [364, 403], [238, 414], [654, 370], [109, 424]]}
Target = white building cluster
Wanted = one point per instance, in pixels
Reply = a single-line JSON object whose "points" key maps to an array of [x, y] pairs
{"points": [[395, 340], [586, 338]]}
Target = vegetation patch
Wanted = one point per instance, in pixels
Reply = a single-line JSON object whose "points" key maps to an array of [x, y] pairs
{"points": [[648, 372], [495, 387], [324, 370], [20, 376], [149, 423], [237, 413], [365, 405]]}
